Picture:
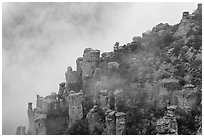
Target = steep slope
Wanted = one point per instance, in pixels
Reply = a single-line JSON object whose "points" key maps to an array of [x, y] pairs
{"points": [[151, 85]]}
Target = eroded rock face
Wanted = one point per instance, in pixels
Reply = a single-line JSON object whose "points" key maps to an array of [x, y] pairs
{"points": [[198, 10], [72, 79], [103, 98], [187, 23], [168, 125], [119, 96], [120, 123], [171, 86], [61, 90], [31, 119], [42, 105], [90, 61], [20, 130], [40, 124], [113, 66], [185, 15], [96, 119], [97, 74], [110, 122], [187, 97], [74, 86], [86, 85], [96, 91], [75, 106], [160, 27], [79, 65]]}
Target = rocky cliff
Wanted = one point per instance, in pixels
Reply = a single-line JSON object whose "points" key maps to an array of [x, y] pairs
{"points": [[151, 85]]}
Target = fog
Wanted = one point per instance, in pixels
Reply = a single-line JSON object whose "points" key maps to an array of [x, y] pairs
{"points": [[39, 41]]}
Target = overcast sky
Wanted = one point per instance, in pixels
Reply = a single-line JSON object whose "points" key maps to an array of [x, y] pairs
{"points": [[41, 39]]}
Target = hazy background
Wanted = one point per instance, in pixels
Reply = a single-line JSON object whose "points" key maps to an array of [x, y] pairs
{"points": [[41, 39]]}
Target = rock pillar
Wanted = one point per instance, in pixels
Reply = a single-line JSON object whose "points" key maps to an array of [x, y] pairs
{"points": [[75, 106], [185, 15], [61, 90], [31, 119], [186, 97], [42, 105], [103, 98], [120, 123], [168, 125], [90, 61], [110, 122], [40, 124], [86, 85], [20, 130], [96, 119], [119, 98], [79, 65], [72, 80]]}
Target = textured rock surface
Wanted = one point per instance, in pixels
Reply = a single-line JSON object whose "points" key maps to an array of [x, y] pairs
{"points": [[110, 122], [20, 130], [120, 123], [31, 120], [131, 80], [72, 80], [103, 98], [40, 124], [75, 106], [168, 125], [96, 119], [90, 61]]}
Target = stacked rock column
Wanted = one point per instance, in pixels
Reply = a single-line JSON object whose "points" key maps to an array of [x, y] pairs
{"points": [[103, 99], [79, 65], [40, 125], [31, 118], [120, 123], [110, 122], [96, 119], [90, 61], [72, 80], [75, 106], [168, 124]]}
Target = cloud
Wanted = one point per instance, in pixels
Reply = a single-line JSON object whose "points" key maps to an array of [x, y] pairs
{"points": [[41, 39]]}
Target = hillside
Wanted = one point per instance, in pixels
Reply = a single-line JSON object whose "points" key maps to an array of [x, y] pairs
{"points": [[149, 86]]}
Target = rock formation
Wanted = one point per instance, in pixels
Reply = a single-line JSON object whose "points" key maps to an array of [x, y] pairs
{"points": [[20, 130], [40, 124], [110, 122], [72, 80], [168, 125], [90, 61], [75, 106], [31, 119], [96, 118], [128, 88], [120, 123]]}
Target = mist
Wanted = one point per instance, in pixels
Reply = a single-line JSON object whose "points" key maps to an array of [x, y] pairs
{"points": [[39, 41]]}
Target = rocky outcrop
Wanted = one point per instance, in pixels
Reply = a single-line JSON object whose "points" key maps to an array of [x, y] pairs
{"points": [[20, 130], [104, 99], [110, 122], [72, 80], [40, 124], [31, 120], [75, 106], [96, 118], [90, 61], [168, 125], [124, 79], [120, 123]]}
